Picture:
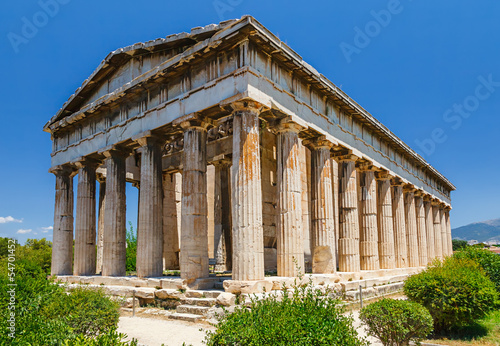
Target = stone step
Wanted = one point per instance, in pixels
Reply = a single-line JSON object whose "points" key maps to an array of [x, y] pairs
{"points": [[192, 309], [199, 301], [203, 293], [186, 317]]}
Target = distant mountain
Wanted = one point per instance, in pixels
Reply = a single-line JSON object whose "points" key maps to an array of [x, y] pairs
{"points": [[480, 231]]}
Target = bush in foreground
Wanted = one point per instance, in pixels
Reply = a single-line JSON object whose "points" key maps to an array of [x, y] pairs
{"points": [[397, 322], [488, 260], [456, 292], [302, 316]]}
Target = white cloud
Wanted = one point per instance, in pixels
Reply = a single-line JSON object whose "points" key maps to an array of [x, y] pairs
{"points": [[9, 219], [46, 229], [24, 231]]}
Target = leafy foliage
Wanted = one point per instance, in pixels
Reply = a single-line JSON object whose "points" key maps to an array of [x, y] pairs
{"points": [[397, 322], [488, 260], [301, 316], [131, 253], [459, 244], [456, 292]]}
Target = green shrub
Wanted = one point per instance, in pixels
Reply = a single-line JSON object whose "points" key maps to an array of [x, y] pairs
{"points": [[456, 292], [459, 244], [397, 322], [111, 338], [302, 316], [489, 261]]}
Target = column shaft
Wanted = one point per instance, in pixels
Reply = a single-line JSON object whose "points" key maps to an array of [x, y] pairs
{"points": [[289, 228], [62, 247], [194, 227], [115, 222], [222, 217], [398, 213], [444, 233], [348, 217], [429, 230], [150, 222], [100, 226], [436, 217], [385, 225], [85, 223], [448, 231], [246, 198], [170, 223], [421, 231], [323, 223], [367, 194], [411, 229]]}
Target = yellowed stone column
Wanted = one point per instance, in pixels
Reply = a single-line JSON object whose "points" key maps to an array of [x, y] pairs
{"points": [[444, 231], [436, 218], [115, 221], [222, 216], [171, 247], [62, 240], [194, 218], [385, 221], [429, 229], [398, 213], [323, 223], [289, 227], [100, 224], [421, 229], [349, 219], [448, 230], [246, 194], [411, 227], [368, 228], [85, 222], [150, 222]]}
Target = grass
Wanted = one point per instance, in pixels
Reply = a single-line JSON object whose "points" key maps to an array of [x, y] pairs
{"points": [[485, 332]]}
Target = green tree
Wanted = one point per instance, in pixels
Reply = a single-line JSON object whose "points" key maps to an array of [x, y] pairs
{"points": [[459, 244], [131, 253]]}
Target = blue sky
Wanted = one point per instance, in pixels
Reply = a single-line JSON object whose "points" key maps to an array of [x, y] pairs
{"points": [[428, 70]]}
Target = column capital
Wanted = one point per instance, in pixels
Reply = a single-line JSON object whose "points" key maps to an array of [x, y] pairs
{"points": [[243, 105], [409, 188], [62, 170], [427, 198], [397, 181], [318, 142], [193, 120], [287, 125], [419, 193], [435, 202], [115, 151], [383, 175], [86, 162], [347, 157], [365, 165], [149, 138], [221, 160]]}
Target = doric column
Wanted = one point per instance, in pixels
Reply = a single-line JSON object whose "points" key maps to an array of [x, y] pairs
{"points": [[429, 229], [323, 223], [385, 222], [222, 215], [170, 223], [421, 229], [62, 240], [194, 212], [448, 230], [436, 218], [411, 227], [289, 227], [348, 217], [398, 213], [444, 231], [368, 228], [115, 222], [246, 194], [150, 221], [85, 222]]}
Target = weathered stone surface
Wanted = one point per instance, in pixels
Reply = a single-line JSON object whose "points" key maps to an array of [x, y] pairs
{"points": [[100, 226], [385, 222], [367, 195], [436, 217], [411, 228], [444, 232], [226, 299], [239, 287], [222, 216], [171, 246], [398, 213], [421, 230], [429, 230], [169, 294]]}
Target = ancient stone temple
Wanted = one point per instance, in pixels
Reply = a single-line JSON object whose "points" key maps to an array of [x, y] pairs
{"points": [[245, 157]]}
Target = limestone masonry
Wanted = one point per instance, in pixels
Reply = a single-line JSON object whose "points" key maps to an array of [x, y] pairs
{"points": [[242, 153]]}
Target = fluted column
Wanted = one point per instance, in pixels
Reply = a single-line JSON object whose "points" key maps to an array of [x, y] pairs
{"points": [[115, 221], [398, 213], [150, 222], [246, 194], [444, 232], [289, 227], [222, 216], [448, 230], [323, 223], [170, 223], [368, 228], [436, 218], [194, 218], [411, 227], [349, 220], [62, 240], [421, 229], [429, 229], [385, 222], [100, 224], [85, 222]]}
